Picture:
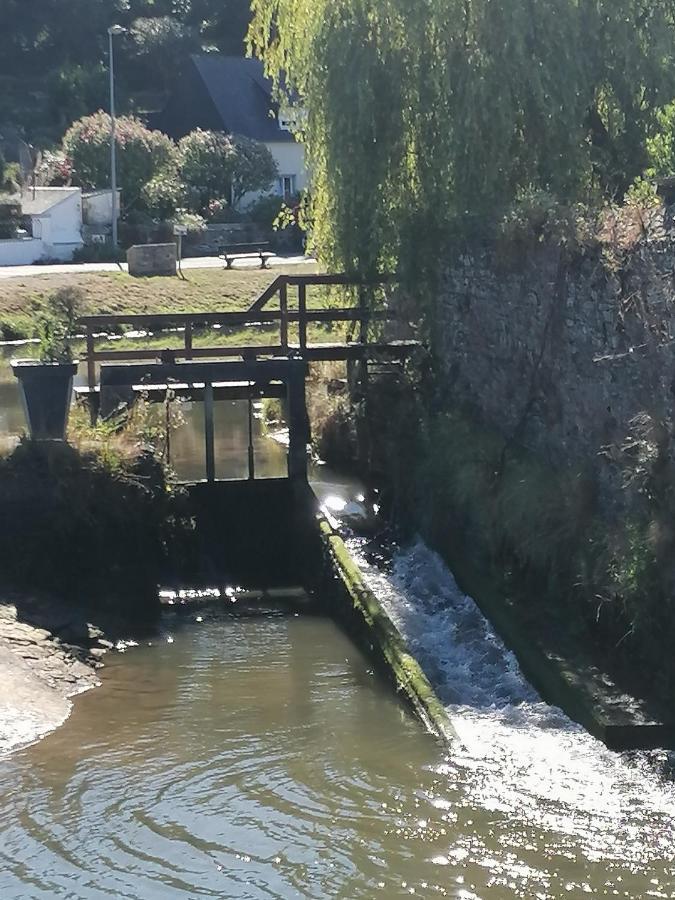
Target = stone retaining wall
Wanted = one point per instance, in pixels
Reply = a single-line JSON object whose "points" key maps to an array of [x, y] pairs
{"points": [[575, 359], [152, 259]]}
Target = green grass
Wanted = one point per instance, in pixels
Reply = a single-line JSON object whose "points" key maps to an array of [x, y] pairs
{"points": [[116, 293]]}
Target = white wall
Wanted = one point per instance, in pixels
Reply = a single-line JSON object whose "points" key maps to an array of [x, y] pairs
{"points": [[97, 208], [60, 229], [66, 222], [21, 251], [290, 160]]}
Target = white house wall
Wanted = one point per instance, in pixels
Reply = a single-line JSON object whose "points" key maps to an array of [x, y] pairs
{"points": [[290, 160], [60, 229], [66, 222], [21, 251], [97, 208]]}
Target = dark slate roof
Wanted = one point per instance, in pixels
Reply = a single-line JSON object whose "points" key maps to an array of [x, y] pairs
{"points": [[241, 95]]}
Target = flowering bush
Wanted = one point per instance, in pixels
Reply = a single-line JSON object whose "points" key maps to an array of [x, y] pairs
{"points": [[254, 169], [163, 195], [55, 170], [215, 165], [141, 153], [206, 160], [193, 221]]}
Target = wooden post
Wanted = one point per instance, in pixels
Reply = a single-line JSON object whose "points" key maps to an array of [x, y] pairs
{"points": [[283, 305], [188, 340], [363, 309], [209, 433], [298, 425], [91, 376], [302, 320], [251, 451]]}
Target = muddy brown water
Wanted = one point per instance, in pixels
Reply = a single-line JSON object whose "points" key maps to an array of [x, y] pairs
{"points": [[262, 757]]}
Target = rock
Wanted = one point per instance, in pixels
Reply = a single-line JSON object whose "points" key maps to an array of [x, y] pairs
{"points": [[93, 632]]}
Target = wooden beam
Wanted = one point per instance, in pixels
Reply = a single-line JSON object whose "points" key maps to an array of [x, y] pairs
{"points": [[302, 315], [263, 371], [339, 279], [247, 350], [209, 434], [268, 293], [283, 308], [251, 450], [188, 340]]}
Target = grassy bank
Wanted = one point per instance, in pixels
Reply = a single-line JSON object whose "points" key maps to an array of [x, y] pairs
{"points": [[92, 519], [115, 293]]}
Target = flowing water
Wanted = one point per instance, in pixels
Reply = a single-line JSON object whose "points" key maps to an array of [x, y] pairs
{"points": [[261, 757]]}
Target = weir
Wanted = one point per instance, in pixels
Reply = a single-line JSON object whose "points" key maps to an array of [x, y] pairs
{"points": [[196, 369], [238, 520]]}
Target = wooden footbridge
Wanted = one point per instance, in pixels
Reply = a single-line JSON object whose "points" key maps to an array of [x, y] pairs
{"points": [[200, 361]]}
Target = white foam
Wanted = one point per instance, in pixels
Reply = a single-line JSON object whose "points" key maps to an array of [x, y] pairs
{"points": [[518, 755]]}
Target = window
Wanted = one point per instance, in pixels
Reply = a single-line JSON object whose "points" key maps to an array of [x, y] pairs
{"points": [[287, 186], [288, 120]]}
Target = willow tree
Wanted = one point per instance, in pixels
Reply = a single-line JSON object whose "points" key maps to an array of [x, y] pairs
{"points": [[425, 115]]}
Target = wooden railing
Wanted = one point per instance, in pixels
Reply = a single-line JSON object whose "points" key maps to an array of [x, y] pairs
{"points": [[100, 326]]}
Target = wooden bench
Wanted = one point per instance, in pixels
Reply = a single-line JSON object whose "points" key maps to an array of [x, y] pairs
{"points": [[246, 251]]}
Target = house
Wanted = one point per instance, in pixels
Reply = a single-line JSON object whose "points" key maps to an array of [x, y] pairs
{"points": [[57, 221], [52, 218], [231, 94]]}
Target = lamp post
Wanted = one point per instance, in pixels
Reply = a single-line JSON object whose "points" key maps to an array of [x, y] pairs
{"points": [[113, 31]]}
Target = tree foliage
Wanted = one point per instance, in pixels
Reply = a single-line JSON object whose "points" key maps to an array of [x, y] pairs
{"points": [[54, 55], [141, 153], [254, 168], [206, 162], [218, 166], [426, 116]]}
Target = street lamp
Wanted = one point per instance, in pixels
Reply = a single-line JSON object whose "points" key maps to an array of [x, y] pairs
{"points": [[113, 31]]}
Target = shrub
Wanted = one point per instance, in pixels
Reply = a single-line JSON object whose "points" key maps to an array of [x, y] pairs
{"points": [[98, 253], [81, 526], [206, 160], [55, 170], [661, 147], [215, 165], [163, 195], [220, 212], [265, 211], [10, 218], [254, 168], [141, 153], [11, 182], [194, 222], [56, 324]]}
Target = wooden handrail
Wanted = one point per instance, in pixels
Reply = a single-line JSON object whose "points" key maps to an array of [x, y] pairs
{"points": [[255, 316], [268, 293], [342, 314]]}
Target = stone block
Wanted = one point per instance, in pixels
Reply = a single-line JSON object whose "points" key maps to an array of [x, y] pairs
{"points": [[152, 259]]}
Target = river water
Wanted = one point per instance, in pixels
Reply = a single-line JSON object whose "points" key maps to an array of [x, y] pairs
{"points": [[261, 757]]}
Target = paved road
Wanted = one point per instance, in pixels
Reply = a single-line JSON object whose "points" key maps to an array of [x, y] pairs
{"points": [[201, 262]]}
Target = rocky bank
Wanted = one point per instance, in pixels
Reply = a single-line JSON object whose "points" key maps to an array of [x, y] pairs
{"points": [[48, 655]]}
